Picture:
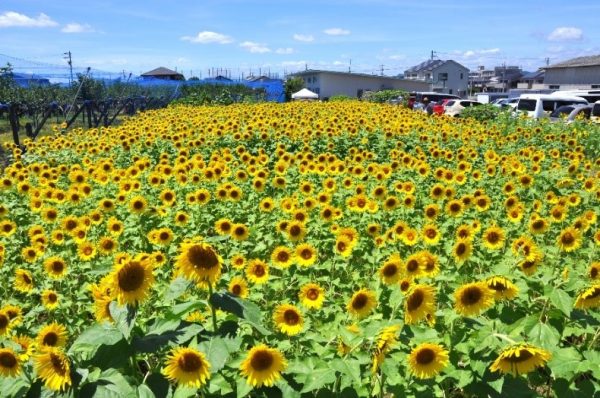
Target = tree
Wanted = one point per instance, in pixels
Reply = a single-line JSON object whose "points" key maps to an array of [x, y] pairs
{"points": [[291, 86]]}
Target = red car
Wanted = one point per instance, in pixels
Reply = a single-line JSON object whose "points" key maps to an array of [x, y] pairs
{"points": [[440, 106]]}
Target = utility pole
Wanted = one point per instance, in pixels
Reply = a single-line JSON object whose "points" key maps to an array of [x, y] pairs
{"points": [[381, 66], [350, 66], [547, 61], [67, 56]]}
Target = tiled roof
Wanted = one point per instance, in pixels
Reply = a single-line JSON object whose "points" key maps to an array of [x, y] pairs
{"points": [[428, 65], [161, 71], [592, 60]]}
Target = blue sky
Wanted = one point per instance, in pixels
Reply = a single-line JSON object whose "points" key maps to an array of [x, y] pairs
{"points": [[194, 36]]}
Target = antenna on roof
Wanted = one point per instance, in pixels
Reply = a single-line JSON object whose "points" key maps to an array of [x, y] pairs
{"points": [[433, 54], [350, 66]]}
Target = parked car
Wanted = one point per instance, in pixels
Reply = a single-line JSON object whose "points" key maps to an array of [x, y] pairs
{"points": [[569, 113], [539, 106], [595, 116], [455, 107], [415, 97], [590, 96], [440, 106], [506, 103]]}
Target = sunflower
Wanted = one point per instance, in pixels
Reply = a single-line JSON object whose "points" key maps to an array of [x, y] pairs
{"points": [[431, 234], [114, 226], [26, 346], [282, 257], [238, 261], [311, 296], [594, 270], [427, 360], [199, 262], [520, 359], [462, 250], [362, 303], [288, 319], [538, 225], [391, 270], [343, 245], [569, 239], [257, 271], [10, 364], [52, 335], [14, 313], [238, 287], [454, 208], [167, 197], [412, 267], [5, 323], [386, 339], [107, 245], [223, 226], [181, 218], [138, 204], [429, 263], [473, 298], [267, 205], [493, 238], [589, 298], [263, 366], [187, 366], [305, 254], [502, 287], [420, 302], [50, 299], [52, 366], [23, 280], [30, 254], [239, 232], [132, 280], [296, 230]]}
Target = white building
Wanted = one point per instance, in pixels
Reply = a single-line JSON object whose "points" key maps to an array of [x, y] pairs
{"points": [[582, 73], [329, 83], [448, 77]]}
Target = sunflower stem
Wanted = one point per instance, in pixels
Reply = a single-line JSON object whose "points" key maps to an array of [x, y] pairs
{"points": [[213, 312]]}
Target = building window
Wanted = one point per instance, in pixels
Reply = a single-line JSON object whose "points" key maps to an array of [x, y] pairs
{"points": [[595, 85], [442, 76], [554, 87], [461, 76], [317, 90]]}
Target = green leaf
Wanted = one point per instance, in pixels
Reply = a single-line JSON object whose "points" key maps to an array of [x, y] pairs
{"points": [[564, 362], [561, 300], [350, 368], [185, 392], [180, 309], [93, 337], [216, 353], [177, 288], [124, 318], [14, 387], [143, 391], [159, 385], [544, 335], [242, 388], [241, 308], [318, 378]]}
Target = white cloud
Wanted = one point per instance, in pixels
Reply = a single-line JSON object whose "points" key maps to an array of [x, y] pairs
{"points": [[304, 38], [565, 33], [287, 50], [206, 37], [397, 57], [256, 48], [77, 28], [476, 53], [294, 64], [336, 32], [12, 19], [490, 51], [339, 63]]}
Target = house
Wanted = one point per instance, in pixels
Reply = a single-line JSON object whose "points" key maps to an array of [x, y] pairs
{"points": [[532, 80], [448, 77], [163, 74], [29, 80], [329, 83], [575, 74]]}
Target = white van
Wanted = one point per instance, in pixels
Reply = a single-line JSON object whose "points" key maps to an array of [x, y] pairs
{"points": [[542, 105], [590, 96]]}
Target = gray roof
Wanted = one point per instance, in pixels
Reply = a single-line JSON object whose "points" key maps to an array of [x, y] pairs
{"points": [[161, 71], [592, 60], [533, 75], [426, 66], [313, 71]]}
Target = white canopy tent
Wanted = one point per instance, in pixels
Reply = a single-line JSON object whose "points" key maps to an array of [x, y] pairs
{"points": [[305, 94]]}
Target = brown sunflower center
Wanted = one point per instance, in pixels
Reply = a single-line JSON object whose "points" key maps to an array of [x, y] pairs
{"points": [[8, 360], [259, 270], [50, 339], [461, 249], [138, 205], [312, 294], [190, 362], [131, 277], [390, 270], [537, 225], [26, 279], [283, 256], [291, 317], [295, 230], [261, 360], [567, 238], [415, 300], [4, 321], [412, 265], [493, 237], [306, 254], [425, 356], [523, 356], [58, 364], [497, 286], [360, 301], [201, 257], [593, 294], [164, 235], [236, 289], [52, 297], [454, 207], [472, 295], [431, 233]]}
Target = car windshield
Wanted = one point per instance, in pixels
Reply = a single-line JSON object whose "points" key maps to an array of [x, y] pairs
{"points": [[526, 105], [563, 110], [596, 110], [450, 103]]}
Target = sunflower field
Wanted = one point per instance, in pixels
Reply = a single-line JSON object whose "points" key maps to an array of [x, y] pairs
{"points": [[340, 249]]}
